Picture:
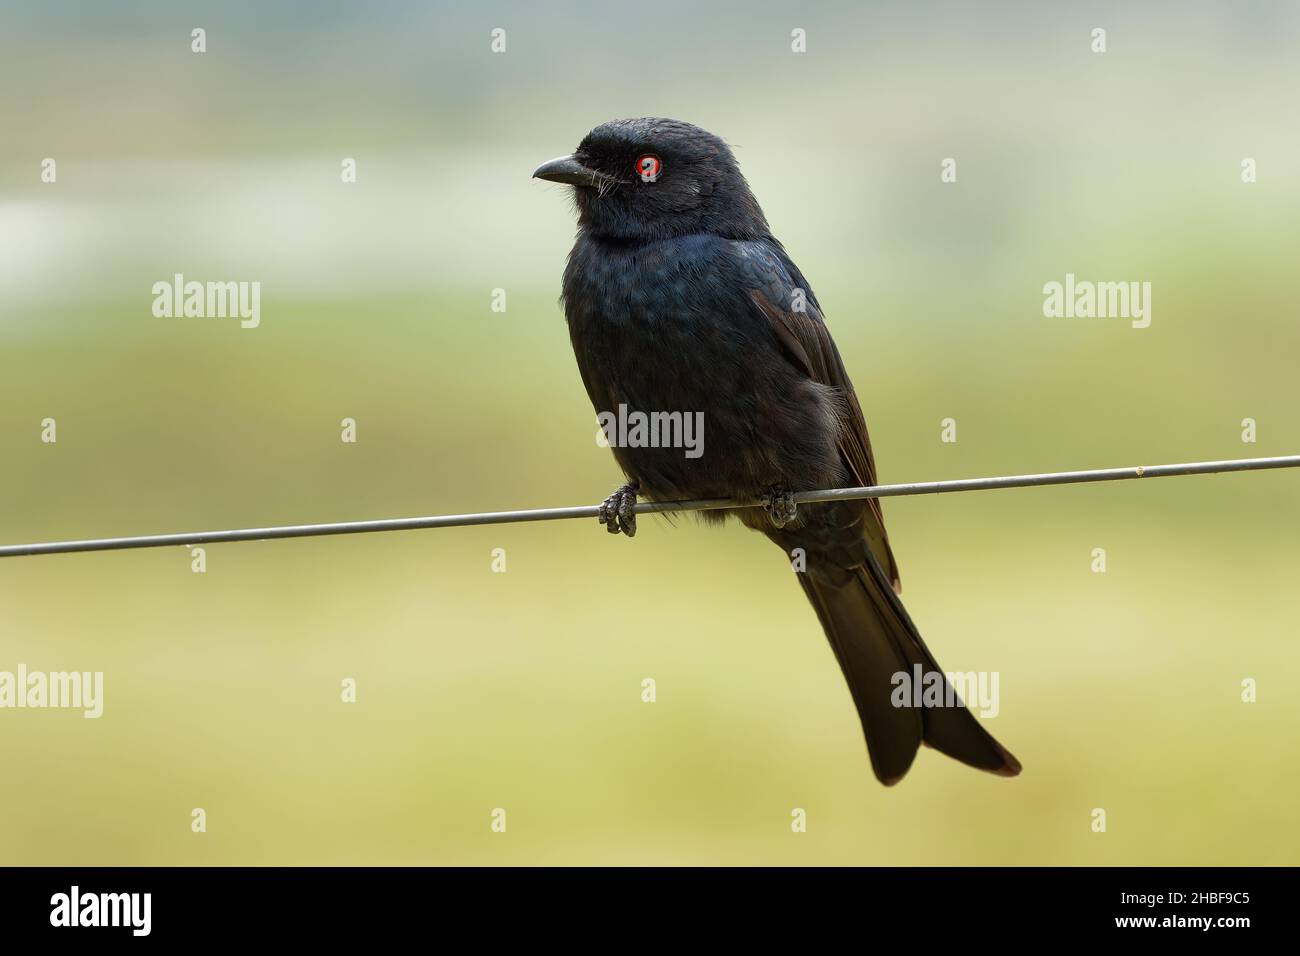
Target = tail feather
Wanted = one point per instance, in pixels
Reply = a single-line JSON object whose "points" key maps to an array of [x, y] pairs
{"points": [[869, 659], [873, 639]]}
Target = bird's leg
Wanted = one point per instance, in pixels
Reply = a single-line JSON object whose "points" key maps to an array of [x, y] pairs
{"points": [[616, 512], [779, 505]]}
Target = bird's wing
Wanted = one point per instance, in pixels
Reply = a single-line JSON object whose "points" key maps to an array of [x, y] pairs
{"points": [[782, 296]]}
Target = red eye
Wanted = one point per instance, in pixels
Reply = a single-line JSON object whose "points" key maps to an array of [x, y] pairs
{"points": [[649, 167]]}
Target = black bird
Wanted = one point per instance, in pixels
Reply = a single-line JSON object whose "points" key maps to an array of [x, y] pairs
{"points": [[679, 299]]}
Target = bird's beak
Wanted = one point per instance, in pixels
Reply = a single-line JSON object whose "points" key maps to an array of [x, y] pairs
{"points": [[566, 169]]}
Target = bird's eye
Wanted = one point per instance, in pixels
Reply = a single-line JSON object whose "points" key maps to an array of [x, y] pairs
{"points": [[649, 167]]}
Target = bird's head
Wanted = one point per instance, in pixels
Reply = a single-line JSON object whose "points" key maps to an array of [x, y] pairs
{"points": [[645, 179]]}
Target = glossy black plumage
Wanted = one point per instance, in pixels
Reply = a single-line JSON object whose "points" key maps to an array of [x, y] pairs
{"points": [[678, 298]]}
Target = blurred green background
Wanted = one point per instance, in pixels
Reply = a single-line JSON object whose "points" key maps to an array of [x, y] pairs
{"points": [[522, 690]]}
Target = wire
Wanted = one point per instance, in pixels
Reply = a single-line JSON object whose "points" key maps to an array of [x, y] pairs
{"points": [[649, 507]]}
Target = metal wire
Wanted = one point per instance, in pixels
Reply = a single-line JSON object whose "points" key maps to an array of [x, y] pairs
{"points": [[649, 507]]}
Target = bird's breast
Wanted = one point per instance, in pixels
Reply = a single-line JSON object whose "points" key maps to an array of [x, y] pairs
{"points": [[641, 323], [661, 329]]}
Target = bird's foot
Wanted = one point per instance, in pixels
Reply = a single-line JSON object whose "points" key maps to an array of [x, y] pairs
{"points": [[779, 505], [616, 512]]}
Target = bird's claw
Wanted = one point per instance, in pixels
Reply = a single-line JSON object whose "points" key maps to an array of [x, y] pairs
{"points": [[779, 505], [616, 512]]}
